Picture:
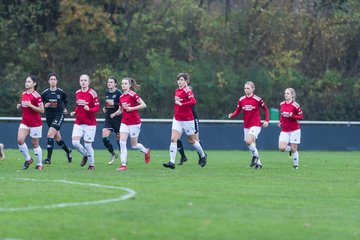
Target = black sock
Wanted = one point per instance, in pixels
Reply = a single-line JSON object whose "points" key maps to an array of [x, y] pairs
{"points": [[50, 147], [108, 145], [180, 148], [62, 145]]}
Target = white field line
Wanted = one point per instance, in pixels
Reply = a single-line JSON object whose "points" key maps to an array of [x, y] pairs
{"points": [[129, 194]]}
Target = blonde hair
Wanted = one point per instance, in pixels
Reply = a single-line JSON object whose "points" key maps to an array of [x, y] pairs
{"points": [[133, 85], [251, 84], [292, 92]]}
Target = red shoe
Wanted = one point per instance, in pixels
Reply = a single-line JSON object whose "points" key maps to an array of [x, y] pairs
{"points": [[122, 168], [83, 161], [38, 167], [27, 164], [147, 156]]}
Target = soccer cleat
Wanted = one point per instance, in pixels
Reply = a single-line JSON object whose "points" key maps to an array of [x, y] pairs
{"points": [[69, 156], [91, 168], [46, 161], [258, 166], [2, 154], [112, 159], [122, 168], [84, 161], [203, 161], [182, 160], [290, 154], [27, 164], [254, 161], [295, 167], [39, 167], [147, 156], [169, 165]]}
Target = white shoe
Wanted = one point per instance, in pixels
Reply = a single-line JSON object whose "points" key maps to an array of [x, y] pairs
{"points": [[2, 153], [113, 157]]}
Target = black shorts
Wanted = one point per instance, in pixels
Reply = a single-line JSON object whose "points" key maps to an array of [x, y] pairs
{"points": [[113, 124], [55, 121], [196, 121]]}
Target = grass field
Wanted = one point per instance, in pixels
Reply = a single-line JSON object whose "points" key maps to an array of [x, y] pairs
{"points": [[225, 200]]}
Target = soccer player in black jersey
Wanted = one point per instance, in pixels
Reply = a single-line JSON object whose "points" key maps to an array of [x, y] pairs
{"points": [[112, 96], [55, 102]]}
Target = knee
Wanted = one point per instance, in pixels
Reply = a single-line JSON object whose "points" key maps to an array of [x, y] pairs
{"points": [[76, 143], [248, 142]]}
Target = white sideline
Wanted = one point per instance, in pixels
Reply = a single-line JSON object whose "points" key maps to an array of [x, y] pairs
{"points": [[130, 194]]}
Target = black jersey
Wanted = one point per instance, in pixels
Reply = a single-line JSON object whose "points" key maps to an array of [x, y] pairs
{"points": [[112, 101], [57, 99]]}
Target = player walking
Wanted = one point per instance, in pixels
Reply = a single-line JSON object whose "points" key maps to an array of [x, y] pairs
{"points": [[290, 128]]}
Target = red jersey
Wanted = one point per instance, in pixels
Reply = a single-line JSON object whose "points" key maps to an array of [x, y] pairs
{"points": [[290, 123], [90, 99], [251, 107], [30, 117], [187, 99], [130, 99]]}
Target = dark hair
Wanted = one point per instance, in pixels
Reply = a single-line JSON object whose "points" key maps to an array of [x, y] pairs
{"points": [[35, 80], [113, 78], [186, 76], [52, 75], [133, 85]]}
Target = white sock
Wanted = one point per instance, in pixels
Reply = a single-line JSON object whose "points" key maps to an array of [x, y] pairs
{"points": [[253, 150], [90, 152], [173, 150], [198, 148], [259, 162], [296, 158], [25, 151], [123, 153], [79, 147], [140, 147], [38, 155]]}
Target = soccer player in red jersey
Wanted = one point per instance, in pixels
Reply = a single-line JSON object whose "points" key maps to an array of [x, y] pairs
{"points": [[251, 104], [87, 105], [183, 121], [129, 104], [31, 106], [290, 128]]}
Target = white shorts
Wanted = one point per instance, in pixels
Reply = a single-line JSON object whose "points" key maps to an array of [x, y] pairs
{"points": [[290, 137], [132, 130], [184, 126], [35, 132], [255, 131], [86, 131]]}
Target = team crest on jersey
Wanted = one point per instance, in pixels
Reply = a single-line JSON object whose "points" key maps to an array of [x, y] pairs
{"points": [[58, 96]]}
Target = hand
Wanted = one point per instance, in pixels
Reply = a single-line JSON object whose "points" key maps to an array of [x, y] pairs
{"points": [[18, 106], [104, 110], [230, 115], [177, 102], [72, 114], [265, 123], [279, 124], [47, 104], [112, 115]]}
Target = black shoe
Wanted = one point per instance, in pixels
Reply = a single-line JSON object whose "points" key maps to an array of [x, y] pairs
{"points": [[296, 167], [69, 156], [254, 161], [182, 160], [27, 164], [47, 161], [258, 166], [169, 165], [91, 168], [203, 161], [83, 161]]}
